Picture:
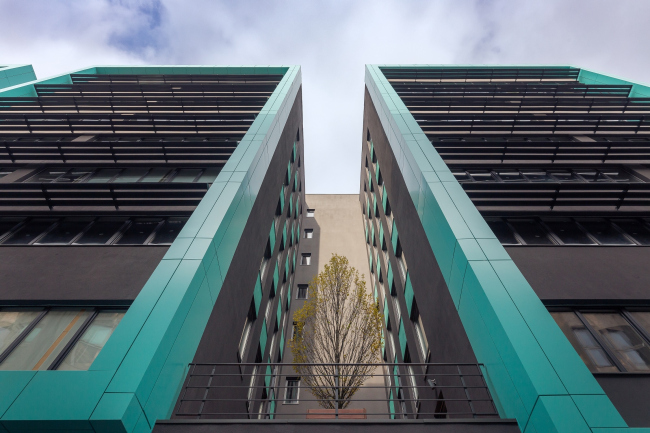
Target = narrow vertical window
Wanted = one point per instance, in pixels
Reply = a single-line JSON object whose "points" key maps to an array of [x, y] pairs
{"points": [[292, 390], [302, 291], [305, 259]]}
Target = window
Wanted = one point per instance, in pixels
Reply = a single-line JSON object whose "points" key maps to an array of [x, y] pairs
{"points": [[610, 341], [294, 330], [302, 291], [54, 338], [125, 175], [305, 259], [311, 212], [5, 171], [309, 233], [292, 390]]}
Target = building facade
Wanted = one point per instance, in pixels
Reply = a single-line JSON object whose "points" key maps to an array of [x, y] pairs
{"points": [[146, 213], [506, 212]]}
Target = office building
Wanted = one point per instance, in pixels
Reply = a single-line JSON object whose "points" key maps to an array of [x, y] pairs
{"points": [[146, 215], [506, 212]]}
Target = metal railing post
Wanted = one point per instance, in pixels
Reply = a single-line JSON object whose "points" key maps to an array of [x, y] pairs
{"points": [[336, 391]]}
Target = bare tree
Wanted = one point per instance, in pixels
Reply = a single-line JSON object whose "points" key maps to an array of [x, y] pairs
{"points": [[340, 325]]}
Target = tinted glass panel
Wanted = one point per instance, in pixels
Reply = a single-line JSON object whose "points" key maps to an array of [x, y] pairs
{"points": [[186, 175], [7, 224], [537, 175], [209, 175], [12, 324], [624, 341], [584, 343], [568, 232], [170, 229], [48, 175], [635, 229], [5, 171], [482, 176], [101, 231], [155, 175], [139, 231], [643, 319], [531, 232], [74, 175], [84, 352], [104, 175], [44, 343], [131, 175], [564, 176], [29, 231], [65, 231], [592, 176], [620, 176], [502, 232], [604, 232], [511, 176], [461, 176]]}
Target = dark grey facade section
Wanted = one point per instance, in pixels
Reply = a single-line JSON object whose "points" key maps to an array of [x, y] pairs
{"points": [[223, 331], [446, 336], [630, 394], [327, 426], [98, 275], [586, 275]]}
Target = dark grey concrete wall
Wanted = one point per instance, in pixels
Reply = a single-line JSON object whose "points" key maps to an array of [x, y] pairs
{"points": [[221, 336], [586, 274], [97, 275], [268, 426], [630, 394], [447, 339]]}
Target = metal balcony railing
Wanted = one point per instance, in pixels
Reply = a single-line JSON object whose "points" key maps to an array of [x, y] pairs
{"points": [[320, 391]]}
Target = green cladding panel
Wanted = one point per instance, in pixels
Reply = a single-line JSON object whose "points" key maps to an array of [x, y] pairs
{"points": [[15, 75], [533, 372], [136, 378]]}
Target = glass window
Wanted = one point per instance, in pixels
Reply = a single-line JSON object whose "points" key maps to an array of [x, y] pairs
{"points": [[74, 175], [482, 175], [6, 224], [461, 176], [129, 175], [636, 229], [306, 259], [48, 175], [584, 343], [156, 174], [302, 291], [186, 175], [643, 319], [30, 231], [12, 324], [44, 343], [568, 232], [530, 231], [620, 176], [309, 233], [511, 176], [86, 349], [623, 340], [4, 171], [291, 391], [65, 231], [169, 230], [311, 212], [101, 231], [564, 176], [502, 232], [537, 175], [139, 231], [104, 175], [604, 232], [209, 175], [592, 176]]}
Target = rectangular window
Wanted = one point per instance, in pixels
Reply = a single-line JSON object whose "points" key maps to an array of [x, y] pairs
{"points": [[292, 390], [608, 341], [50, 339], [302, 291], [309, 233], [311, 212], [294, 330], [305, 259]]}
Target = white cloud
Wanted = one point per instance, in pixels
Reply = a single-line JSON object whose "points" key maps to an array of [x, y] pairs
{"points": [[332, 40]]}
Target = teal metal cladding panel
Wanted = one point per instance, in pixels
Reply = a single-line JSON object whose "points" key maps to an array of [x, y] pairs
{"points": [[14, 75], [394, 236], [530, 366], [282, 199], [136, 378], [272, 236], [402, 337], [257, 295], [408, 294], [263, 336]]}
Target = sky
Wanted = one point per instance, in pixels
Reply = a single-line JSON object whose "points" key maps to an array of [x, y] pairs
{"points": [[332, 41]]}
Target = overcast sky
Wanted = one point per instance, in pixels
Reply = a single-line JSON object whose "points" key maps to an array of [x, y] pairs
{"points": [[331, 40]]}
